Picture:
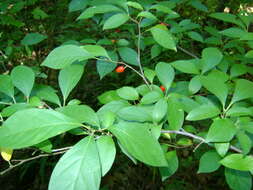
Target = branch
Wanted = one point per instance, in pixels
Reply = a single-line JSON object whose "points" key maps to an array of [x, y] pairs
{"points": [[21, 162], [184, 133], [187, 52]]}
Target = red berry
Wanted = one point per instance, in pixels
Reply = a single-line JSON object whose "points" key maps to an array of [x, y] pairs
{"points": [[120, 69], [162, 88], [117, 30]]}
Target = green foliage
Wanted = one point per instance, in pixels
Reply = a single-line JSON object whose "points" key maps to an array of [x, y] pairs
{"points": [[204, 73]]}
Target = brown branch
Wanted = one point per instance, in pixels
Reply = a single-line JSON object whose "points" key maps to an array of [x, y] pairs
{"points": [[201, 139]]}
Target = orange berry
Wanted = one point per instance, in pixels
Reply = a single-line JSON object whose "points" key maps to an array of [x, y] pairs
{"points": [[113, 41], [162, 88], [120, 69]]}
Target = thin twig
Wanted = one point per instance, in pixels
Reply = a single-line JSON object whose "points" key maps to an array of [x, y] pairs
{"points": [[201, 139], [139, 54], [187, 52], [21, 162]]}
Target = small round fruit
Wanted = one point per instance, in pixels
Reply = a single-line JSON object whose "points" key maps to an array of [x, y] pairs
{"points": [[120, 69], [162, 88], [113, 41]]}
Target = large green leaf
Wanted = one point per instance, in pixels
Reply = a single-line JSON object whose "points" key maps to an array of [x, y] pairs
{"points": [[78, 169], [32, 126], [32, 39], [209, 162], [203, 112], [96, 50], [243, 90], [151, 97], [163, 37], [221, 130], [23, 78], [216, 86], [47, 93], [238, 162], [172, 167], [134, 113], [76, 5], [128, 55], [238, 180], [107, 153], [68, 78], [135, 137], [175, 114], [160, 110], [115, 21], [165, 74], [210, 58], [233, 32], [185, 66], [6, 85], [128, 93], [81, 113], [227, 17], [64, 56], [105, 67], [100, 9]]}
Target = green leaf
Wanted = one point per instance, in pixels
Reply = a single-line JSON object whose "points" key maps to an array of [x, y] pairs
{"points": [[221, 130], [129, 55], [147, 14], [134, 113], [209, 162], [163, 37], [172, 167], [188, 104], [107, 153], [210, 58], [18, 131], [64, 56], [203, 112], [108, 96], [196, 36], [68, 79], [238, 70], [115, 21], [198, 5], [238, 180], [237, 111], [160, 110], [107, 119], [76, 5], [175, 114], [245, 142], [96, 50], [222, 148], [128, 93], [134, 5], [156, 50], [233, 32], [10, 110], [135, 137], [195, 84], [238, 162], [81, 113], [165, 74], [6, 85], [227, 17], [185, 66], [45, 146], [216, 86], [23, 78], [105, 67], [149, 74], [100, 9], [151, 97], [249, 54], [48, 93], [32, 39], [243, 90], [79, 168]]}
